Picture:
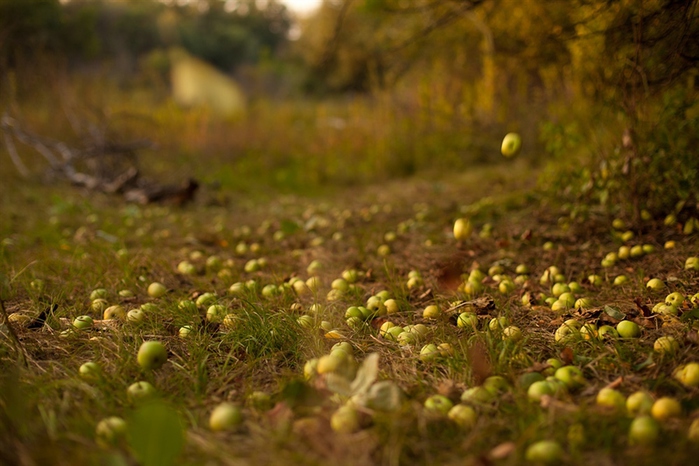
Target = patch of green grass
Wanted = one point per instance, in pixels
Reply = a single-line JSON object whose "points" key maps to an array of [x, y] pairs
{"points": [[50, 412]]}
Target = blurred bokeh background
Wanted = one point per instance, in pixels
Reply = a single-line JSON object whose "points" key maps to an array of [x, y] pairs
{"points": [[300, 95]]}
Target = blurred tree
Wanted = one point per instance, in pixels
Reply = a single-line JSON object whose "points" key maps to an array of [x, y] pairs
{"points": [[229, 36]]}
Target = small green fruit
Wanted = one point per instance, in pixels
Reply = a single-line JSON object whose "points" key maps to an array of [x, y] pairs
{"points": [[610, 398], [346, 420], [468, 320], [464, 416], [110, 431], [511, 145], [462, 229], [545, 452], [151, 355], [666, 408], [655, 284], [666, 345], [432, 312], [688, 374], [90, 371], [639, 403], [644, 430], [140, 391], [156, 290], [628, 329], [225, 416], [439, 404]]}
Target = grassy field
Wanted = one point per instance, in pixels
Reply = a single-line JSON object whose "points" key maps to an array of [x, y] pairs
{"points": [[266, 345]]}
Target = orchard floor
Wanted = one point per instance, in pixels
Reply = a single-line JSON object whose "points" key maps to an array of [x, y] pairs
{"points": [[59, 244]]}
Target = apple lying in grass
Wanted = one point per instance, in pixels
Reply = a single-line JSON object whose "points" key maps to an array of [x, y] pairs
{"points": [[655, 284], [612, 399], [666, 345], [462, 415], [136, 315], [439, 404], [429, 352], [538, 389], [644, 430], [666, 408], [110, 431], [156, 290], [468, 320], [90, 371], [346, 420], [688, 374], [496, 384], [225, 416], [571, 376], [99, 305], [98, 293], [478, 395], [674, 299], [431, 312], [83, 322], [205, 300], [391, 306], [639, 403], [544, 452], [628, 329], [115, 312], [497, 324], [624, 252], [151, 355], [512, 333], [140, 391]]}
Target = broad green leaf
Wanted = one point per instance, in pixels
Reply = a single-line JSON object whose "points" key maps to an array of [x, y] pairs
{"points": [[338, 384], [156, 434], [367, 374], [288, 227], [614, 313]]}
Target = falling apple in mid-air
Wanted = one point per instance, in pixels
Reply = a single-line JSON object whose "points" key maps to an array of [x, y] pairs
{"points": [[511, 145]]}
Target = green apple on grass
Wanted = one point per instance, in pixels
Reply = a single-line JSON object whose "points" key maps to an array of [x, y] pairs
{"points": [[90, 371], [644, 430], [688, 374], [156, 290], [628, 329], [110, 431], [346, 420], [655, 284], [98, 293], [225, 416], [439, 404], [666, 408], [151, 355], [115, 312], [666, 345], [83, 322], [639, 403], [611, 398], [462, 415], [431, 312], [544, 452], [140, 391], [136, 315]]}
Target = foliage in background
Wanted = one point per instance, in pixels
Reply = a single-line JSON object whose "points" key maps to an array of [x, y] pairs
{"points": [[377, 89]]}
